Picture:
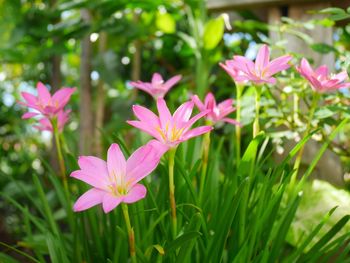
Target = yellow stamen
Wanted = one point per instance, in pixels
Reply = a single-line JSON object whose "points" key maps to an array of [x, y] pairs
{"points": [[159, 130]]}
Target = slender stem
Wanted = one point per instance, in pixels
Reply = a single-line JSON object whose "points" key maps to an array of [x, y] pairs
{"points": [[131, 234], [172, 192], [307, 131], [256, 126], [56, 134], [205, 154], [295, 109], [239, 89]]}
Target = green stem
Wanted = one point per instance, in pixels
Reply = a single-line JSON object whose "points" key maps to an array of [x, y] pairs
{"points": [[56, 134], [256, 126], [131, 234], [239, 89], [307, 131], [172, 191], [63, 173], [205, 151]]}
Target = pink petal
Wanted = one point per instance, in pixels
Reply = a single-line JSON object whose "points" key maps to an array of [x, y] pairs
{"points": [[146, 87], [226, 111], [341, 76], [171, 82], [328, 84], [141, 163], [262, 58], [210, 102], [89, 199], [343, 86], [316, 85], [93, 165], [116, 162], [228, 69], [305, 68], [43, 93], [46, 124], [226, 104], [143, 126], [29, 115], [62, 118], [30, 99], [196, 132], [43, 128], [183, 113], [322, 70], [278, 65], [110, 202], [145, 115], [198, 102], [157, 79], [164, 113], [138, 84], [271, 80], [136, 193], [92, 178], [194, 119], [62, 96], [160, 148], [243, 64], [232, 121]]}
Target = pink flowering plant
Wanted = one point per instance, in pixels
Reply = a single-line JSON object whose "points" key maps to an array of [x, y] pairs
{"points": [[44, 104], [52, 115], [216, 169], [321, 80], [216, 112], [157, 88]]}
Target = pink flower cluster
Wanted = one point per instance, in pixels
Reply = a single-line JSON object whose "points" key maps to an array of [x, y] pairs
{"points": [[117, 180], [243, 70], [48, 108], [320, 79]]}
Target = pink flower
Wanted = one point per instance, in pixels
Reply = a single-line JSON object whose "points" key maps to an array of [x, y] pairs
{"points": [[45, 123], [44, 103], [169, 129], [116, 180], [243, 69], [236, 74], [320, 79], [157, 88], [217, 112]]}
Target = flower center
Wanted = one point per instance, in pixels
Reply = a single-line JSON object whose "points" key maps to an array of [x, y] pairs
{"points": [[118, 186], [118, 190], [170, 134]]}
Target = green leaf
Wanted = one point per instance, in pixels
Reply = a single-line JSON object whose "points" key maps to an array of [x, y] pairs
{"points": [[336, 13], [280, 231], [310, 237], [213, 32], [7, 259], [181, 241], [166, 23], [325, 239], [190, 41], [323, 113], [17, 251], [185, 251], [323, 48]]}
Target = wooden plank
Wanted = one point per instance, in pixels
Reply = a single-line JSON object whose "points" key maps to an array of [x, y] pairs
{"points": [[243, 4]]}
